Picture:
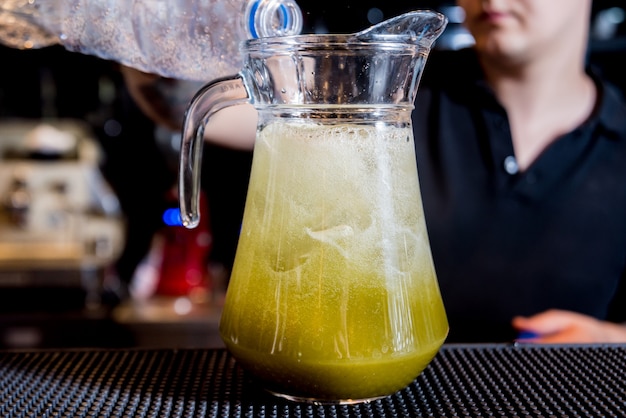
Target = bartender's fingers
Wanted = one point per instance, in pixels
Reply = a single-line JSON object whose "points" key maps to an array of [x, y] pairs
{"points": [[563, 327], [549, 322]]}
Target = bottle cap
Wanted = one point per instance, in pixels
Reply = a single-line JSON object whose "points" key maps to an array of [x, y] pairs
{"points": [[267, 18]]}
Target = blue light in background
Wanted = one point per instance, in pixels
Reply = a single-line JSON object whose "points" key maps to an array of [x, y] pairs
{"points": [[171, 217]]}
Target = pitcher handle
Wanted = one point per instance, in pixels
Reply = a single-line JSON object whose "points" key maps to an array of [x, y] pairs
{"points": [[214, 96]]}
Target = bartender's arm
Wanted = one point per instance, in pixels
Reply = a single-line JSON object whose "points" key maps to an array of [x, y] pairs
{"points": [[564, 327], [165, 101]]}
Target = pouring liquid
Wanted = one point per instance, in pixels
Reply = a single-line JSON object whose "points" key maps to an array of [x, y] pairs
{"points": [[333, 296]]}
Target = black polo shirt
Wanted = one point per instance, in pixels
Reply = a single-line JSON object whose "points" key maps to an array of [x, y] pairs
{"points": [[509, 243]]}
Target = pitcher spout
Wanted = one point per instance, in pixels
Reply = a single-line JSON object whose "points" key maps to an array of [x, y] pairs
{"points": [[420, 27]]}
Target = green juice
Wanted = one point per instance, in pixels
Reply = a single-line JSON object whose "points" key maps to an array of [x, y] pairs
{"points": [[333, 296]]}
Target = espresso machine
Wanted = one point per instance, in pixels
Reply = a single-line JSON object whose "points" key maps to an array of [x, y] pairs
{"points": [[61, 226]]}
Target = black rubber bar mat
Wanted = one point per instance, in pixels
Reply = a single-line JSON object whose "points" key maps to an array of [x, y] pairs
{"points": [[462, 381]]}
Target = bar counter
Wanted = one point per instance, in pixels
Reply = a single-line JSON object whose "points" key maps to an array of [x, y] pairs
{"points": [[486, 380]]}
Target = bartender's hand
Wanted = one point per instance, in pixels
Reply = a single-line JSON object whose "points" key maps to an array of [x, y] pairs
{"points": [[153, 94], [564, 327]]}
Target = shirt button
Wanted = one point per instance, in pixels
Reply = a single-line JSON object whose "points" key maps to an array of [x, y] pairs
{"points": [[510, 165]]}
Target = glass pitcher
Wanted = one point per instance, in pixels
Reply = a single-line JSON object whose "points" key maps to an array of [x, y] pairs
{"points": [[333, 296]]}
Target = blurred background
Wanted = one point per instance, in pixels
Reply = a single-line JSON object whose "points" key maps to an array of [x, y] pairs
{"points": [[90, 250]]}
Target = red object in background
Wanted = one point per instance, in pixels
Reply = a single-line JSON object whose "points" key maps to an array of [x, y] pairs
{"points": [[184, 265]]}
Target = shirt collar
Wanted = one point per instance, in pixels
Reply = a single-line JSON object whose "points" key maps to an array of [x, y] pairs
{"points": [[610, 112]]}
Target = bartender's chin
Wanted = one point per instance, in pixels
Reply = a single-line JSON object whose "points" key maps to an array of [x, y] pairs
{"points": [[502, 51]]}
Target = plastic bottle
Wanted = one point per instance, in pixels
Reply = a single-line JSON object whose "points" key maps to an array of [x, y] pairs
{"points": [[183, 39]]}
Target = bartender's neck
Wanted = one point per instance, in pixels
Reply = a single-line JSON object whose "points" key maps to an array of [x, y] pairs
{"points": [[533, 77], [537, 80]]}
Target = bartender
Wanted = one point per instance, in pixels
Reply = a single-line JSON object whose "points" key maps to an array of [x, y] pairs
{"points": [[521, 150]]}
